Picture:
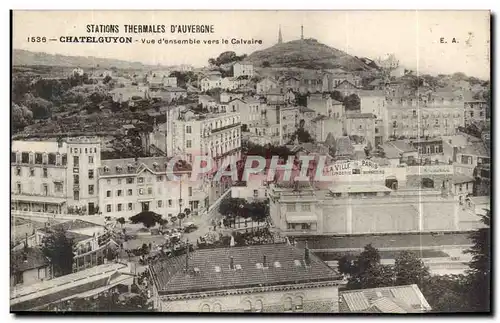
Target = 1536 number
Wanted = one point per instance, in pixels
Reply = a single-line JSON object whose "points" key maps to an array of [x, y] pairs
{"points": [[37, 39]]}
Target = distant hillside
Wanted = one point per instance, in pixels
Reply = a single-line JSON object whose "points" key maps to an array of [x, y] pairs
{"points": [[307, 53], [27, 58]]}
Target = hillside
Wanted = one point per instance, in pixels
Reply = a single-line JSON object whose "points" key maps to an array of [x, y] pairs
{"points": [[307, 53], [27, 58]]}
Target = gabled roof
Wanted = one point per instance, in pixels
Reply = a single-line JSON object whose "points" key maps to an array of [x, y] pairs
{"points": [[209, 269], [394, 299], [153, 164], [476, 149]]}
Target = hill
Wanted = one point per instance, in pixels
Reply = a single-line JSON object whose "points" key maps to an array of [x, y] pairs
{"points": [[27, 58], [309, 54]]}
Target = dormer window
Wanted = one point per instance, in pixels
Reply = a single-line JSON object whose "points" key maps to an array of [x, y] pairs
{"points": [[118, 169], [106, 169], [130, 168]]}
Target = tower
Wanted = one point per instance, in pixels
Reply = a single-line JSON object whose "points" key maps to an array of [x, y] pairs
{"points": [[280, 37], [302, 32]]}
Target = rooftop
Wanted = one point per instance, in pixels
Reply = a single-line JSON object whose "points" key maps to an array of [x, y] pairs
{"points": [[209, 269], [28, 258], [476, 149], [460, 178], [132, 166], [394, 299], [357, 115]]}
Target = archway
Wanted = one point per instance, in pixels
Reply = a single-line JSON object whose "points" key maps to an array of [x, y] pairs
{"points": [[427, 182]]}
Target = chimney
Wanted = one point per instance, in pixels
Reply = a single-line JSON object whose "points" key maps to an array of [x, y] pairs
{"points": [[264, 262], [307, 257], [231, 263]]}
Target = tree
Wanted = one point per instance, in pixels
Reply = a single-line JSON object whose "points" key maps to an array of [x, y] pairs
{"points": [[409, 269], [181, 216], [479, 268], [163, 222], [106, 79], [366, 271], [446, 293], [147, 218], [352, 102], [231, 207], [173, 219], [187, 212], [59, 249], [21, 117], [121, 221], [266, 64], [338, 96]]}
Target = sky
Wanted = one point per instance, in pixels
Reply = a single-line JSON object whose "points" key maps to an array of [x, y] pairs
{"points": [[414, 37]]}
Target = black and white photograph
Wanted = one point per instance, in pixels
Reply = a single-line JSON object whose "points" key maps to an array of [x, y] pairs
{"points": [[250, 161]]}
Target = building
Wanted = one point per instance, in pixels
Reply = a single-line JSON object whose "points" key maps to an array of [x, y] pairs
{"points": [[321, 126], [210, 82], [77, 71], [361, 127], [170, 81], [265, 85], [475, 112], [55, 176], [29, 266], [240, 69], [86, 283], [463, 186], [127, 94], [391, 300], [413, 117], [279, 96], [289, 121], [175, 93], [258, 278], [325, 105], [331, 80], [362, 197], [129, 186], [91, 241], [290, 83]]}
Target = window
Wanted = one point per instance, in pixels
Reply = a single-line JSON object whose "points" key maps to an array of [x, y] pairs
{"points": [[159, 178], [188, 143], [299, 304], [18, 171], [108, 181], [91, 174], [188, 129], [169, 203], [108, 193], [205, 308], [76, 161], [19, 188], [129, 192], [45, 189], [119, 193], [130, 206], [217, 308], [160, 203], [108, 208], [85, 150], [76, 179], [306, 207], [64, 159], [190, 191], [141, 191], [150, 190], [91, 159], [76, 195], [38, 158], [45, 172], [414, 113], [119, 205], [58, 187], [91, 189], [288, 304], [130, 180], [32, 171], [140, 180], [119, 181], [290, 207], [41, 273], [258, 306]]}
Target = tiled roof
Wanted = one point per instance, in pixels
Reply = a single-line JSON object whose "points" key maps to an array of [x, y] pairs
{"points": [[209, 269], [70, 225], [390, 151], [476, 149], [29, 258], [305, 109], [402, 146], [154, 164], [394, 299]]}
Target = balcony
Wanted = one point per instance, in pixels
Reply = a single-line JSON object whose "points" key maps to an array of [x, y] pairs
{"points": [[237, 124]]}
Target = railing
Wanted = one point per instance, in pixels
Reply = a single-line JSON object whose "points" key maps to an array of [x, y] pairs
{"points": [[237, 124]]}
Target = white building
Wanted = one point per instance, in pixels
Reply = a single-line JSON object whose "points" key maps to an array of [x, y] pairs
{"points": [[210, 82], [265, 85], [240, 69], [55, 177]]}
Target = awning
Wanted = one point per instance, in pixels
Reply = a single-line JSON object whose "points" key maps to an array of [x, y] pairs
{"points": [[302, 218], [38, 199]]}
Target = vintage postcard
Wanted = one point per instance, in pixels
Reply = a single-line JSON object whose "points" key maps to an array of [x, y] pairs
{"points": [[250, 161]]}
